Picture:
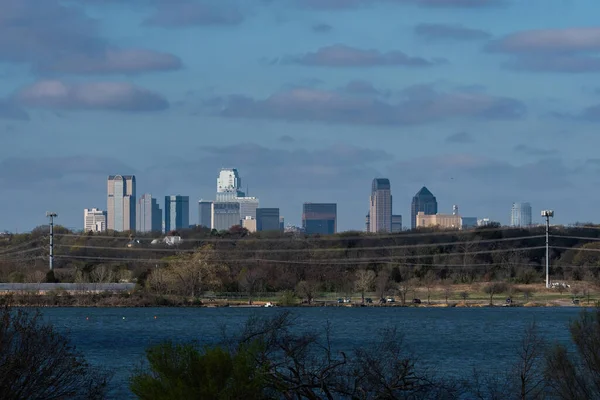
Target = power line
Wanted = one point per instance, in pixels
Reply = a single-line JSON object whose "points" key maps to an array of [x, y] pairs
{"points": [[316, 250]]}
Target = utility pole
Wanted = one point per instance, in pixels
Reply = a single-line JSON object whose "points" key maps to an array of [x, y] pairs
{"points": [[51, 215], [547, 214]]}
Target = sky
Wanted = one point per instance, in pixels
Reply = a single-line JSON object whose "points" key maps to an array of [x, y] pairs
{"points": [[485, 102]]}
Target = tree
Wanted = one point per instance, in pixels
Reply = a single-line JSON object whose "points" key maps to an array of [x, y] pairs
{"points": [[430, 280], [382, 282], [184, 371], [37, 362], [307, 290], [195, 272], [250, 280], [364, 282], [404, 288], [447, 291], [494, 288], [464, 295]]}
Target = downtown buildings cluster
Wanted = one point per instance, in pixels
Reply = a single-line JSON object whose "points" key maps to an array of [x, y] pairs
{"points": [[232, 207]]}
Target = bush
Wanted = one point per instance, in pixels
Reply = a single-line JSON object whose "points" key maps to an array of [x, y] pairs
{"points": [[287, 299]]}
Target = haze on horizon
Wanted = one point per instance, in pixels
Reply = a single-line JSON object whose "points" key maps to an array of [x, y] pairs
{"points": [[485, 102]]}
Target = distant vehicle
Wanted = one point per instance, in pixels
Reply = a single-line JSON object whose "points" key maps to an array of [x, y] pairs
{"points": [[575, 301], [368, 300], [340, 300], [269, 304], [416, 301], [390, 300], [382, 301], [347, 300]]}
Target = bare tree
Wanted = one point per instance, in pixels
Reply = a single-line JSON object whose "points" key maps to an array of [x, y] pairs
{"points": [[250, 280], [307, 290], [159, 281], [464, 295], [102, 274], [529, 368], [447, 291], [404, 288], [364, 282], [37, 362], [382, 282], [494, 288], [430, 279]]}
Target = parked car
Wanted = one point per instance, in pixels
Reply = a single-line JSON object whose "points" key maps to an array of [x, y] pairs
{"points": [[390, 300], [340, 300], [416, 301], [368, 300]]}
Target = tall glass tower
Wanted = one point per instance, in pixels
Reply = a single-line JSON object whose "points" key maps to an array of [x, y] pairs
{"points": [[520, 215], [424, 201], [121, 204], [380, 207], [177, 213]]}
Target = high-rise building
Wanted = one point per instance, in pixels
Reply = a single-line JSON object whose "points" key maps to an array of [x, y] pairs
{"points": [[94, 220], [149, 214], [520, 215], [267, 219], [229, 185], [249, 223], [281, 224], [224, 215], [248, 206], [424, 201], [469, 222], [368, 223], [204, 213], [319, 218], [396, 223], [121, 203], [380, 207], [177, 213]]}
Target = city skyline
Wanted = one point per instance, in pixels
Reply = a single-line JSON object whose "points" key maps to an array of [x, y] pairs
{"points": [[478, 101]]}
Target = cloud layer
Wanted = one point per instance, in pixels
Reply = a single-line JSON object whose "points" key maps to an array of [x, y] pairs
{"points": [[417, 105], [116, 96], [449, 32]]}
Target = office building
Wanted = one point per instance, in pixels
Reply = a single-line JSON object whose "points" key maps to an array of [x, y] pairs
{"points": [[229, 185], [380, 207], [204, 213], [520, 215], [469, 222], [396, 223], [319, 218], [442, 221], [485, 222], [94, 220], [148, 214], [224, 215], [249, 223], [424, 201], [368, 223], [177, 213], [248, 206], [267, 219], [281, 224], [121, 203]]}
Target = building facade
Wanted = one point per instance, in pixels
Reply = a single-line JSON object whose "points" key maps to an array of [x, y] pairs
{"points": [[319, 218], [248, 206], [229, 185], [249, 223], [267, 219], [224, 215], [121, 203], [396, 223], [149, 214], [469, 222], [424, 201], [442, 221], [177, 213], [94, 220], [520, 215], [204, 213], [380, 206]]}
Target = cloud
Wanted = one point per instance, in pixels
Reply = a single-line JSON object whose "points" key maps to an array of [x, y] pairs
{"points": [[344, 4], [117, 96], [286, 139], [51, 36], [534, 151], [460, 138], [450, 32], [571, 50], [322, 28], [360, 87], [27, 173], [126, 61], [340, 55], [9, 110], [184, 13], [418, 105]]}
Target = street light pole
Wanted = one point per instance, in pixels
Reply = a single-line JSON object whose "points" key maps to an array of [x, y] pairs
{"points": [[51, 215], [547, 214]]}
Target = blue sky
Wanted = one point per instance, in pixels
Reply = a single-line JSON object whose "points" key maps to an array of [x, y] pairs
{"points": [[485, 102]]}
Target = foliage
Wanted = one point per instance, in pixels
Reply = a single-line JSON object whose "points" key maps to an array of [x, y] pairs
{"points": [[37, 362], [287, 299]]}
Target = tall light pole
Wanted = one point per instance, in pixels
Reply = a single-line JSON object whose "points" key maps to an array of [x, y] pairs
{"points": [[547, 214], [51, 215]]}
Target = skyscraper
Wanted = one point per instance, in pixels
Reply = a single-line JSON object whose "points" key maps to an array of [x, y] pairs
{"points": [[94, 220], [224, 215], [177, 212], [319, 218], [380, 208], [424, 201], [121, 203], [149, 214], [267, 219], [520, 215], [396, 223], [229, 185], [204, 213]]}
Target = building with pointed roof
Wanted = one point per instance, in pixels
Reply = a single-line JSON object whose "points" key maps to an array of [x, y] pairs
{"points": [[424, 201], [380, 206]]}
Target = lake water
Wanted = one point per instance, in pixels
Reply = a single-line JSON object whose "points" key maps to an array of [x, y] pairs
{"points": [[452, 340]]}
